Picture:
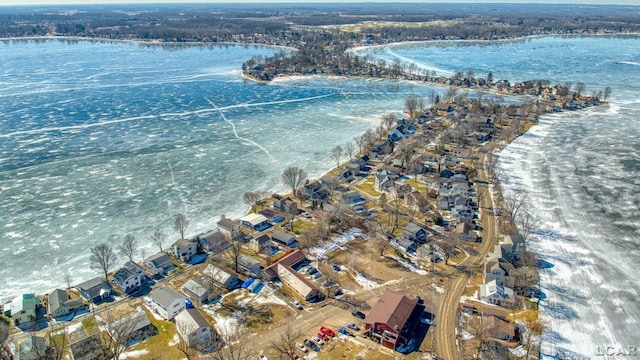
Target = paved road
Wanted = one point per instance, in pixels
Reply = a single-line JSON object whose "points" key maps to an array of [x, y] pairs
{"points": [[445, 329]]}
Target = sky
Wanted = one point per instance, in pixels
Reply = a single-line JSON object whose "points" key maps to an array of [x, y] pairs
{"points": [[52, 2]]}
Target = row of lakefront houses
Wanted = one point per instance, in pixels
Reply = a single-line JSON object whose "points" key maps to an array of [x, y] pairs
{"points": [[267, 255]]}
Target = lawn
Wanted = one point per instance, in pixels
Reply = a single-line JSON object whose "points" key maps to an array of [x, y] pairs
{"points": [[368, 186], [158, 346]]}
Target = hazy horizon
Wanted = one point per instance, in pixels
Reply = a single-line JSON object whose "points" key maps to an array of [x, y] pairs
{"points": [[96, 2]]}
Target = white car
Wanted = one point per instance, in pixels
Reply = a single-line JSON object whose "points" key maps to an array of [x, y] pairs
{"points": [[302, 347], [296, 304], [317, 340]]}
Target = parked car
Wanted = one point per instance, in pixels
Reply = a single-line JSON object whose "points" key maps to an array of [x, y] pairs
{"points": [[336, 267], [262, 357], [302, 347], [323, 336], [317, 340], [316, 275], [296, 303], [293, 355], [343, 331], [358, 313], [353, 326], [327, 331], [311, 270], [310, 344]]}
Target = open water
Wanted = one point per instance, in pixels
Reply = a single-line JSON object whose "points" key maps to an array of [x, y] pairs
{"points": [[98, 140], [582, 172], [103, 139]]}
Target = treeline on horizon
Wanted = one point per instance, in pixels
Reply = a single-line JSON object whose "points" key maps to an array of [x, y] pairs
{"points": [[288, 24]]}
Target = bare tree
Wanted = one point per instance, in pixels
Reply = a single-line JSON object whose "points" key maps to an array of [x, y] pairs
{"points": [[388, 120], [490, 78], [451, 93], [607, 93], [579, 89], [159, 238], [233, 253], [251, 198], [412, 105], [527, 223], [380, 244], [308, 239], [285, 344], [350, 149], [533, 329], [103, 258], [5, 354], [293, 177], [128, 247], [117, 331], [337, 152], [360, 142], [448, 247], [68, 278], [181, 224], [231, 344], [513, 202], [58, 342], [184, 329]]}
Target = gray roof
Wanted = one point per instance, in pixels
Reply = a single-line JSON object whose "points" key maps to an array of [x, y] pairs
{"points": [[133, 322], [183, 244], [128, 270], [247, 261], [165, 296], [56, 299], [32, 349], [227, 224], [94, 286], [158, 260], [195, 286], [194, 316], [283, 237]]}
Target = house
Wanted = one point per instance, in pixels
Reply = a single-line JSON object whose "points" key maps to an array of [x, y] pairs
{"points": [[415, 233], [24, 308], [34, 348], [416, 200], [283, 238], [221, 277], [184, 249], [194, 329], [255, 222], [214, 241], [496, 294], [284, 270], [272, 216], [130, 277], [166, 302], [352, 198], [260, 243], [461, 153], [230, 228], [286, 205], [405, 244], [382, 182], [160, 262], [500, 329], [88, 348], [464, 232], [249, 264], [442, 106], [443, 202], [513, 246], [59, 304], [197, 290], [133, 328], [95, 290], [500, 272], [392, 320]]}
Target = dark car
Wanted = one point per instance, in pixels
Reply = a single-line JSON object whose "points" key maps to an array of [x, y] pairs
{"points": [[358, 313], [310, 344]]}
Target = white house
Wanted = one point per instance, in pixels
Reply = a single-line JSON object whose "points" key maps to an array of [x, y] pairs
{"points": [[184, 249], [130, 277], [193, 327], [166, 302], [496, 294], [230, 228]]}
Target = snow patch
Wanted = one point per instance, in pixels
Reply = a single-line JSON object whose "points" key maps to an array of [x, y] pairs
{"points": [[366, 284], [133, 354], [409, 267], [439, 289]]}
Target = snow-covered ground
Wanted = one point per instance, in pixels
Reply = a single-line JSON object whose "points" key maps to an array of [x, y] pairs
{"points": [[366, 284], [320, 251], [407, 265]]}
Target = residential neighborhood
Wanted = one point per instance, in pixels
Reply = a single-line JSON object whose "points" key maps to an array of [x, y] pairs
{"points": [[370, 250]]}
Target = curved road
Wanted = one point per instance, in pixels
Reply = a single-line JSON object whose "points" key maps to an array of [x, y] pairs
{"points": [[445, 329]]}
